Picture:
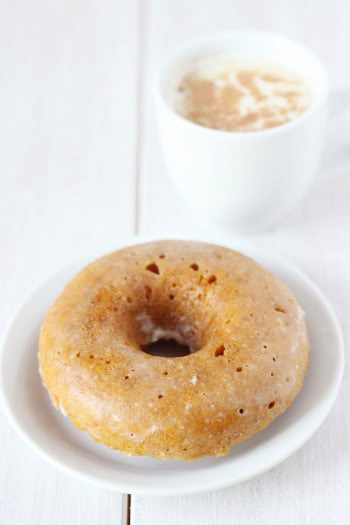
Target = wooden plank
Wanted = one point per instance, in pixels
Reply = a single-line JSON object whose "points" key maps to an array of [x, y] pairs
{"points": [[311, 486], [68, 94]]}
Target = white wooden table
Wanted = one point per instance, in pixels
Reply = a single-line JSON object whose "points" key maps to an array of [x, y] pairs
{"points": [[80, 165]]}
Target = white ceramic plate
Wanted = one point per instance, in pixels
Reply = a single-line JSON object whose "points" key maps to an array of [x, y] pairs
{"points": [[54, 438]]}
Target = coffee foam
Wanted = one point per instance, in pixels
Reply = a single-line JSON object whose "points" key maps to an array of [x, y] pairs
{"points": [[239, 93]]}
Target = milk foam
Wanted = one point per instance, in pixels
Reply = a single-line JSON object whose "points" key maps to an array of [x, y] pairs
{"points": [[239, 93]]}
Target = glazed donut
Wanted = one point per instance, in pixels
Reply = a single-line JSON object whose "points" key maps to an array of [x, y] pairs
{"points": [[245, 330]]}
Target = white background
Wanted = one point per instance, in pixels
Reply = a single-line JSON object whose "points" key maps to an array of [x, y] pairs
{"points": [[80, 165]]}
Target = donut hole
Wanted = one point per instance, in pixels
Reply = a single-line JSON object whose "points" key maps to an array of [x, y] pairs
{"points": [[241, 411], [163, 329], [194, 267], [166, 348], [166, 322]]}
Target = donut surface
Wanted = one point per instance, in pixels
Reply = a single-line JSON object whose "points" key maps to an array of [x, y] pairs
{"points": [[246, 332]]}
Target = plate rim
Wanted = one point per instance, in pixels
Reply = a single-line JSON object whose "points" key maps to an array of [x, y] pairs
{"points": [[232, 242]]}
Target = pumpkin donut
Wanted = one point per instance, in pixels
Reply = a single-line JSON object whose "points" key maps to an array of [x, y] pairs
{"points": [[245, 331]]}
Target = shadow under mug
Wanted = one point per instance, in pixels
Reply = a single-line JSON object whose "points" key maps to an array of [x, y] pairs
{"points": [[246, 181]]}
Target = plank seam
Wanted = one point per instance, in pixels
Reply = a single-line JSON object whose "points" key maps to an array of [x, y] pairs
{"points": [[142, 30]]}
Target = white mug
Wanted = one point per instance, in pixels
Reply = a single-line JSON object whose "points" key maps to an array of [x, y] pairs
{"points": [[245, 180]]}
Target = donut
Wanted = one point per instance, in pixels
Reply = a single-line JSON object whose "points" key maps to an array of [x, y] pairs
{"points": [[245, 331]]}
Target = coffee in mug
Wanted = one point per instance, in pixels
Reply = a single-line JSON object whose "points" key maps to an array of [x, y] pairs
{"points": [[234, 93]]}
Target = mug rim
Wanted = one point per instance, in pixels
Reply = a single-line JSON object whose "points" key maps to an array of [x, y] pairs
{"points": [[191, 45]]}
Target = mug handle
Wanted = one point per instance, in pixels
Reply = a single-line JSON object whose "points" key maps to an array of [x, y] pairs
{"points": [[339, 101]]}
